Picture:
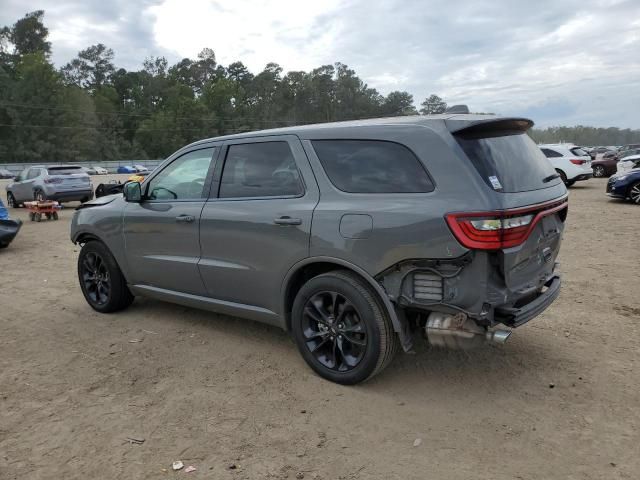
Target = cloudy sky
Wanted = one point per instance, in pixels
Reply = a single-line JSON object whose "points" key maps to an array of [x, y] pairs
{"points": [[560, 62]]}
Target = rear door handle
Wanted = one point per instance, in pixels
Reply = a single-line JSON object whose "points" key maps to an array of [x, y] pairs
{"points": [[185, 218], [287, 221]]}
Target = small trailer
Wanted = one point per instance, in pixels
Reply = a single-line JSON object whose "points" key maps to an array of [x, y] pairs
{"points": [[39, 209]]}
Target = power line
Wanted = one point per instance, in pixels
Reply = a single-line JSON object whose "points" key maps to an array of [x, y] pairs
{"points": [[122, 114]]}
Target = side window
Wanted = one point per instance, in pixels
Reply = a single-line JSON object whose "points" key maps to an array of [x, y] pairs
{"points": [[265, 169], [550, 153], [23, 175], [183, 179], [33, 173], [372, 166]]}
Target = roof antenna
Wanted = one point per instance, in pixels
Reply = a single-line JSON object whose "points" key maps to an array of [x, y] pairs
{"points": [[457, 109]]}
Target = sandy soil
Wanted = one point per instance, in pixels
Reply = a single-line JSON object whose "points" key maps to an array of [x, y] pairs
{"points": [[234, 398]]}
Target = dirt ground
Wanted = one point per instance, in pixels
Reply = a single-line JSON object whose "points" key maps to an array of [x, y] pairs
{"points": [[234, 399]]}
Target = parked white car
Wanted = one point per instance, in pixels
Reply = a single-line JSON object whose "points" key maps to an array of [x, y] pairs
{"points": [[140, 168], [100, 170], [571, 162], [627, 164]]}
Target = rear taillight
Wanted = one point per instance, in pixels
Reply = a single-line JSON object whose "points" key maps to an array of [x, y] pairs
{"points": [[53, 180], [502, 229], [577, 161]]}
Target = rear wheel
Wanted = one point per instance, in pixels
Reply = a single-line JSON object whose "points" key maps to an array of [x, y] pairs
{"points": [[634, 193], [39, 196], [103, 285], [598, 171], [341, 329]]}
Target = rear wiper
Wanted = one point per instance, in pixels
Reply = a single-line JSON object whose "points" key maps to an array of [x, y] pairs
{"points": [[550, 177]]}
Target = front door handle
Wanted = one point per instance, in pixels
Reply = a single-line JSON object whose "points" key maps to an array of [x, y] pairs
{"points": [[287, 221], [185, 218]]}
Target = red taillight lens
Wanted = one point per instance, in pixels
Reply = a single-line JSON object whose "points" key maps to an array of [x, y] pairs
{"points": [[497, 230], [577, 161], [53, 180]]}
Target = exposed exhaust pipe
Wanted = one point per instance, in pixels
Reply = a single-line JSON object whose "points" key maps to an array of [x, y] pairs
{"points": [[460, 332]]}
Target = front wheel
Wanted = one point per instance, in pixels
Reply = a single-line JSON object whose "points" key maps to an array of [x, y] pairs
{"points": [[103, 285], [341, 329], [598, 171], [634, 193], [11, 201]]}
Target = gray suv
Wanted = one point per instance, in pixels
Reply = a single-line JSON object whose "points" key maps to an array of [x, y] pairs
{"points": [[356, 237], [64, 183]]}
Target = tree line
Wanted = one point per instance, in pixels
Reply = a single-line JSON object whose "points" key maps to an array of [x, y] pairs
{"points": [[91, 110]]}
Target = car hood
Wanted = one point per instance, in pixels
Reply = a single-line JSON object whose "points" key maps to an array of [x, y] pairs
{"points": [[98, 202]]}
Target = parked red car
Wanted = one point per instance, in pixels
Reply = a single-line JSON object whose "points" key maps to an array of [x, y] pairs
{"points": [[605, 166]]}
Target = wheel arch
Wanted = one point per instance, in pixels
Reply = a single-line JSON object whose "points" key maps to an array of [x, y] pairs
{"points": [[314, 266]]}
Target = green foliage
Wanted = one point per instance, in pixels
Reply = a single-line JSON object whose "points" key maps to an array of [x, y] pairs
{"points": [[433, 105], [90, 110]]}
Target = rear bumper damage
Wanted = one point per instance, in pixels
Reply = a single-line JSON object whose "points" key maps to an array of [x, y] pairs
{"points": [[458, 304]]}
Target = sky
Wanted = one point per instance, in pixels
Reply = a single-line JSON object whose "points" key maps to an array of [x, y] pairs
{"points": [[561, 62]]}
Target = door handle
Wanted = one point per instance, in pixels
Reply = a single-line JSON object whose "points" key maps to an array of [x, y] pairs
{"points": [[185, 218], [287, 221]]}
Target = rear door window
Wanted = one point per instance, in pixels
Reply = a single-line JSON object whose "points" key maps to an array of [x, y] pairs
{"points": [[372, 166], [579, 152], [262, 169], [509, 162]]}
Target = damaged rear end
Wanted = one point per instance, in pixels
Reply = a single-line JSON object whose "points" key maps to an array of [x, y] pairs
{"points": [[508, 274]]}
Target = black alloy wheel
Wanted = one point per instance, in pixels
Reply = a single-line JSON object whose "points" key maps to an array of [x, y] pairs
{"points": [[598, 171], [101, 280], [96, 279], [342, 328], [333, 331]]}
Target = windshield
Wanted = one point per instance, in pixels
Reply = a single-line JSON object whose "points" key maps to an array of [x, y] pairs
{"points": [[510, 162]]}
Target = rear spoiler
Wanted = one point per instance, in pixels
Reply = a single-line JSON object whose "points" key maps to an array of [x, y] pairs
{"points": [[491, 127]]}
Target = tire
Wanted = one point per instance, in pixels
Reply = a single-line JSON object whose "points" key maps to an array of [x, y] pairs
{"points": [[348, 348], [32, 216], [55, 215], [570, 183], [634, 193], [598, 171], [101, 280], [11, 201], [38, 217], [39, 196]]}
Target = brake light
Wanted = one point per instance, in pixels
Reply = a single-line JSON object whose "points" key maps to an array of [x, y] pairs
{"points": [[577, 161], [501, 229], [53, 180]]}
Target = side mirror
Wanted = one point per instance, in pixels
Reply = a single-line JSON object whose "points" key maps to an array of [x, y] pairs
{"points": [[132, 192]]}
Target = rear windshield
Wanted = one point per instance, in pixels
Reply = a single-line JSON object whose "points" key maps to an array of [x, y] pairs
{"points": [[64, 170], [509, 162]]}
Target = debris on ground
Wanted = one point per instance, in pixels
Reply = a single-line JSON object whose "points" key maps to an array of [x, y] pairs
{"points": [[135, 441], [552, 385], [417, 442], [232, 466], [190, 469], [177, 465]]}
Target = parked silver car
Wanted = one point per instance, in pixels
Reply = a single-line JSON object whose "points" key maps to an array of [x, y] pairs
{"points": [[353, 236], [64, 183]]}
